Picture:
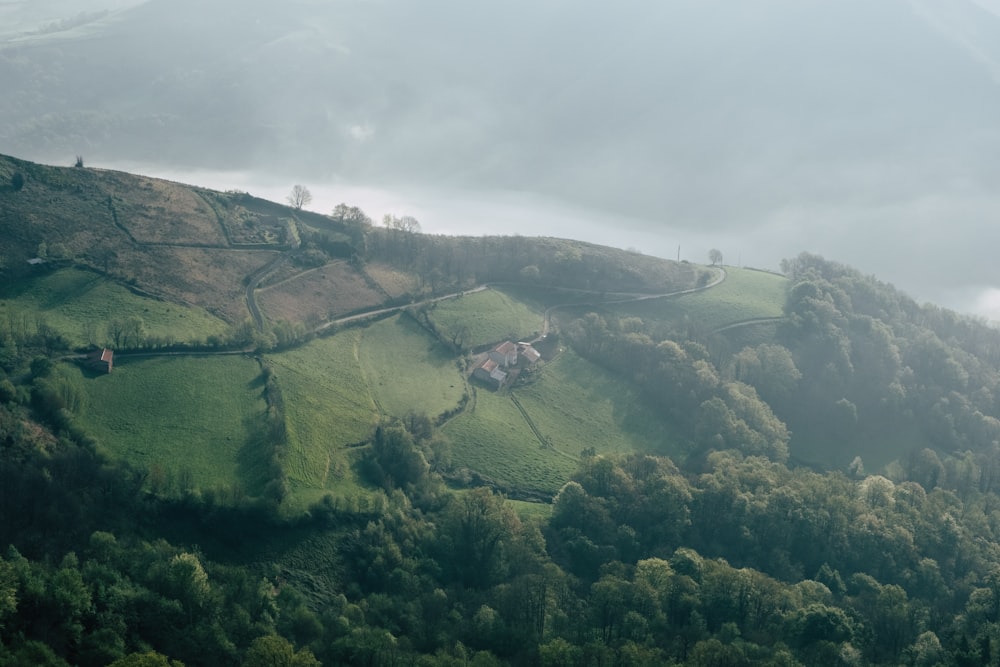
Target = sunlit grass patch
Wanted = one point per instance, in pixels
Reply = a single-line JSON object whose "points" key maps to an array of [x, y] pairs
{"points": [[408, 370], [485, 317], [79, 304], [495, 441], [745, 294], [577, 405]]}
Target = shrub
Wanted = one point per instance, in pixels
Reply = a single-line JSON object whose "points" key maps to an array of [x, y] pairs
{"points": [[17, 181]]}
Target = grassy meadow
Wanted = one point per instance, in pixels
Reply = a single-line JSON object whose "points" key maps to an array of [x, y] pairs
{"points": [[196, 419], [328, 408], [337, 388], [577, 405], [79, 304], [745, 294], [407, 369], [493, 439], [395, 282], [488, 317], [162, 212]]}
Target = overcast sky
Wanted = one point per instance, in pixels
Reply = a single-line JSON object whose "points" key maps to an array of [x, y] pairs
{"points": [[867, 131]]}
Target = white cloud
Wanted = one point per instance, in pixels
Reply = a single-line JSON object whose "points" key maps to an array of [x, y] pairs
{"points": [[361, 133]]}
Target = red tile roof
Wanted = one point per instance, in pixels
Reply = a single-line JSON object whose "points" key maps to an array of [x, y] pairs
{"points": [[505, 347]]}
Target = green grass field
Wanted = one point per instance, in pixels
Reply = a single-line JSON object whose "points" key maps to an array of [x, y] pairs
{"points": [[337, 388], [577, 405], [489, 316], [530, 511], [407, 369], [745, 294], [327, 408], [79, 304], [190, 416], [494, 440]]}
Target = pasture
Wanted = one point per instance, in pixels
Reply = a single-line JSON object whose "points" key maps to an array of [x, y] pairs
{"points": [[745, 294], [577, 405], [485, 317], [328, 408], [78, 304], [531, 511], [408, 370], [194, 421], [210, 277], [493, 439], [394, 281], [337, 388]]}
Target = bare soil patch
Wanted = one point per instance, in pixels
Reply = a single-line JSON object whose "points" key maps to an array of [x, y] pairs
{"points": [[318, 294], [155, 211], [395, 282], [207, 277], [250, 221]]}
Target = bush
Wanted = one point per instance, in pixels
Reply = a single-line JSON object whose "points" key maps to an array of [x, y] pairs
{"points": [[17, 181]]}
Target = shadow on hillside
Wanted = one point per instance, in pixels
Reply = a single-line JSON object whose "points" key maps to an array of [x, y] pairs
{"points": [[255, 459], [87, 372], [257, 384]]}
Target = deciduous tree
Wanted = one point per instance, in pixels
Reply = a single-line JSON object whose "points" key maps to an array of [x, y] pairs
{"points": [[299, 197]]}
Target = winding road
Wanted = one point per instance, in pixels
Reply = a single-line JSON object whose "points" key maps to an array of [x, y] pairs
{"points": [[255, 278], [633, 297]]}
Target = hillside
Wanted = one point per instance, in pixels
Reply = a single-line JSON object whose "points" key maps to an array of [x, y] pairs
{"points": [[212, 249], [175, 242], [316, 458], [153, 269]]}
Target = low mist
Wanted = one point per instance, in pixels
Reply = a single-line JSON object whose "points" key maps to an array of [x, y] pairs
{"points": [[864, 131]]}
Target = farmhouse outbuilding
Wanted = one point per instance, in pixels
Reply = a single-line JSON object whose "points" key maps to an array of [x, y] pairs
{"points": [[530, 354], [504, 354], [490, 373], [102, 359]]}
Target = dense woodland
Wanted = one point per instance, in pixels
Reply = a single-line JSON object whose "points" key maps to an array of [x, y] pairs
{"points": [[736, 555]]}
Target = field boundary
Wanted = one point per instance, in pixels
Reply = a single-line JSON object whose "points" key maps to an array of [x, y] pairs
{"points": [[639, 297], [747, 323], [534, 429]]}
